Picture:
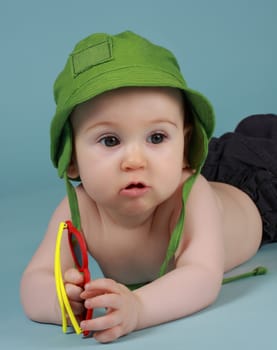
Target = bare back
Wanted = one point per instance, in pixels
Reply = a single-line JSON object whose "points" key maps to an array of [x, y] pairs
{"points": [[242, 224]]}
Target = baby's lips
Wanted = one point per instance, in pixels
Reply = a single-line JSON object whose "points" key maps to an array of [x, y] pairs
{"points": [[135, 185]]}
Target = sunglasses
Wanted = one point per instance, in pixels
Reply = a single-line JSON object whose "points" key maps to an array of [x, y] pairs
{"points": [[79, 253]]}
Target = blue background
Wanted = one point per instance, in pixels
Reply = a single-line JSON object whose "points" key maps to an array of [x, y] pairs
{"points": [[226, 49]]}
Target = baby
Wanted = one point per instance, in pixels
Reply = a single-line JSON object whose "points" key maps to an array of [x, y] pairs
{"points": [[134, 135]]}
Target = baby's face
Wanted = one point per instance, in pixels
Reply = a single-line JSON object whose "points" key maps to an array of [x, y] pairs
{"points": [[129, 147]]}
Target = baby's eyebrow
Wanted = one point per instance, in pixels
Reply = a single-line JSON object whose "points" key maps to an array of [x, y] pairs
{"points": [[101, 124], [113, 123], [163, 121], [105, 122]]}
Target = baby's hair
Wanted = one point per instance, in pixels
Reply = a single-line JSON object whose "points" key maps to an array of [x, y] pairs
{"points": [[188, 128]]}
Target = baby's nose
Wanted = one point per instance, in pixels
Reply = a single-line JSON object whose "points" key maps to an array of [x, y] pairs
{"points": [[134, 158]]}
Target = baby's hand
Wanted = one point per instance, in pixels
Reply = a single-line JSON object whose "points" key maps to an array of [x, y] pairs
{"points": [[73, 281], [122, 309]]}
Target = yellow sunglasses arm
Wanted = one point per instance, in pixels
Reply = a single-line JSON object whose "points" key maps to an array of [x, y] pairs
{"points": [[60, 289]]}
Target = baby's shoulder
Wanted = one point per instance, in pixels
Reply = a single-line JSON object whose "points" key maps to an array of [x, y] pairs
{"points": [[203, 201], [201, 189]]}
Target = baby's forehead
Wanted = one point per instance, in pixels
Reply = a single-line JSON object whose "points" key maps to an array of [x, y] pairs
{"points": [[120, 97]]}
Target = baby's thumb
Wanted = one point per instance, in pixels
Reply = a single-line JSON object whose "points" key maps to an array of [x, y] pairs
{"points": [[73, 276]]}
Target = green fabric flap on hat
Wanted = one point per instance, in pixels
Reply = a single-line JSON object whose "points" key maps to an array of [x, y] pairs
{"points": [[65, 149], [91, 56], [198, 145]]}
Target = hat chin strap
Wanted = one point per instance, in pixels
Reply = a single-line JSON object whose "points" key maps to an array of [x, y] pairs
{"points": [[179, 228], [73, 203], [199, 149]]}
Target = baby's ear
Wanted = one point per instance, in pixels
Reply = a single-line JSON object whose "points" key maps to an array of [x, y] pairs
{"points": [[72, 170]]}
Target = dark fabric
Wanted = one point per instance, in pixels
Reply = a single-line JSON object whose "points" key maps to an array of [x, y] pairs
{"points": [[247, 159]]}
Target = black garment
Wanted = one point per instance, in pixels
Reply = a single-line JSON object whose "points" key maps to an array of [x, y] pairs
{"points": [[247, 159]]}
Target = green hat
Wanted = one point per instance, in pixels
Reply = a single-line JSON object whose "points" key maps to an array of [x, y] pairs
{"points": [[103, 62]]}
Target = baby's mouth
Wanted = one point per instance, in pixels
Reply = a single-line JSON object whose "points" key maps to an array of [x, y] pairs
{"points": [[134, 189], [135, 185]]}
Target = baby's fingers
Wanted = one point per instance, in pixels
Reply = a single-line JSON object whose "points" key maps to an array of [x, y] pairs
{"points": [[106, 328], [74, 281], [77, 304], [73, 276], [99, 287], [77, 308], [106, 301], [73, 292]]}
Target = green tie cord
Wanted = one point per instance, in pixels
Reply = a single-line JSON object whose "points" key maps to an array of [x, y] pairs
{"points": [[259, 270]]}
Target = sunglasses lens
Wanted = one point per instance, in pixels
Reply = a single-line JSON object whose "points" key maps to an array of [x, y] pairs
{"points": [[76, 250]]}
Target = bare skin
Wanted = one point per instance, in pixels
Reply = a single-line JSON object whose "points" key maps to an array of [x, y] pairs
{"points": [[243, 225], [127, 228]]}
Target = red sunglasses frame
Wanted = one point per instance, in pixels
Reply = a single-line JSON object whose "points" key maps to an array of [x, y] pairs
{"points": [[75, 236]]}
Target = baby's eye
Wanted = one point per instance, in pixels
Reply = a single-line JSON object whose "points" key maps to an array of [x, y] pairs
{"points": [[109, 141], [156, 138]]}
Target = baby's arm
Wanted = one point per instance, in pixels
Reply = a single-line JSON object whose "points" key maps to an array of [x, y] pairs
{"points": [[38, 291], [196, 281], [192, 286]]}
